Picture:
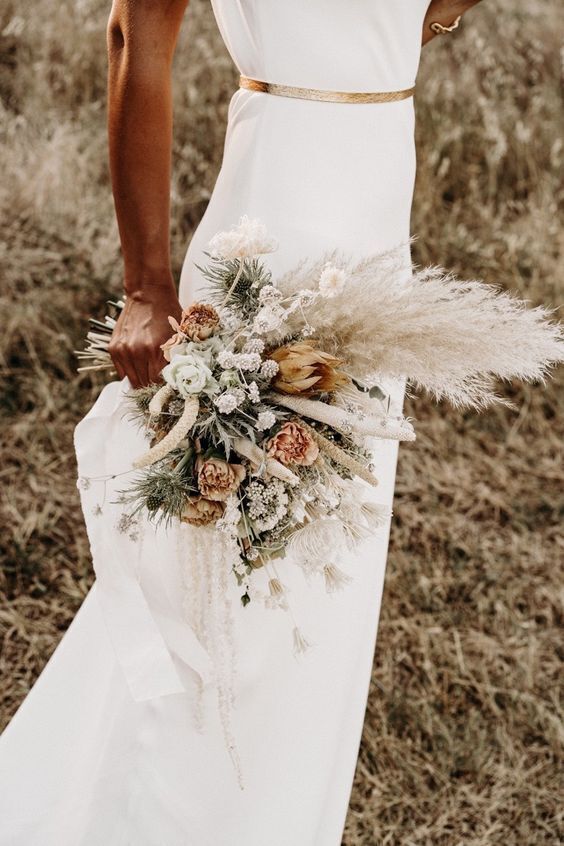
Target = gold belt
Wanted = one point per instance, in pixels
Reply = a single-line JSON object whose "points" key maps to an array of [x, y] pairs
{"points": [[321, 94]]}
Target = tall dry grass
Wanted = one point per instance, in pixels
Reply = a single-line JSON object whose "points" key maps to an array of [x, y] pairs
{"points": [[463, 728]]}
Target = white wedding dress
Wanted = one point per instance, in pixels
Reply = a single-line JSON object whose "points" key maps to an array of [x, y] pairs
{"points": [[106, 750]]}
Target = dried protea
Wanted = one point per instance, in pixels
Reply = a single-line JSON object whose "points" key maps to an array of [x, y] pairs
{"points": [[305, 370], [199, 321]]}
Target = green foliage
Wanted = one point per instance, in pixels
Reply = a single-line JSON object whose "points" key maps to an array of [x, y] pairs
{"points": [[163, 488], [244, 298]]}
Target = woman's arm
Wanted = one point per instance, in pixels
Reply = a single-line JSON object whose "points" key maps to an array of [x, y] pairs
{"points": [[141, 39], [444, 12]]}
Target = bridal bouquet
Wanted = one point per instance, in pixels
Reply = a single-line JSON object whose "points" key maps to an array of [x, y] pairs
{"points": [[262, 435], [274, 389]]}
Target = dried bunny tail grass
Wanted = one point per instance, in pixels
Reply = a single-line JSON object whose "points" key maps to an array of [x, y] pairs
{"points": [[173, 438], [340, 456], [383, 426], [160, 399], [247, 449], [450, 337]]}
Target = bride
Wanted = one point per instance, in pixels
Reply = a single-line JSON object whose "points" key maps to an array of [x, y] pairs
{"points": [[121, 741]]}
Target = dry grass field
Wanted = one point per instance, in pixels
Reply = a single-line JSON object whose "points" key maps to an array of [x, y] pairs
{"points": [[463, 730]]}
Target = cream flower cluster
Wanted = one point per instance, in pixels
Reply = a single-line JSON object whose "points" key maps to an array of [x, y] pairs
{"points": [[248, 238], [265, 420], [267, 503], [248, 361]]}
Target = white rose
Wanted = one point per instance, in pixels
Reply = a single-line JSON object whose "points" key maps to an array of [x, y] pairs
{"points": [[177, 349], [189, 374], [207, 350]]}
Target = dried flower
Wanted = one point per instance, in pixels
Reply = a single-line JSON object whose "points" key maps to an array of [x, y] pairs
{"points": [[200, 512], [277, 595], [248, 361], [292, 444], [267, 503], [268, 293], [248, 238], [301, 643], [332, 280], [228, 401], [269, 318], [269, 369], [199, 321], [266, 420], [306, 370], [254, 392], [254, 345], [226, 359], [217, 478], [176, 341]]}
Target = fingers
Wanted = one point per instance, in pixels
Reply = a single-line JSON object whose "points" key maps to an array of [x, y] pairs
{"points": [[136, 341], [115, 354], [125, 363], [157, 363]]}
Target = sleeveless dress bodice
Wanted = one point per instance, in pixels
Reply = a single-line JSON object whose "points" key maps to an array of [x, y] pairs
{"points": [[348, 45], [285, 159]]}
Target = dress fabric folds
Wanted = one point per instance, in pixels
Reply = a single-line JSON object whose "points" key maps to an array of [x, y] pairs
{"points": [[106, 749]]}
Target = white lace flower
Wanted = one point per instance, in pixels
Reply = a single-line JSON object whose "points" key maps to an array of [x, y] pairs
{"points": [[226, 359], [228, 401], [268, 318], [306, 297], [229, 320], [267, 503], [254, 345], [248, 361], [332, 280], [248, 238], [268, 294], [254, 393], [265, 420], [269, 368]]}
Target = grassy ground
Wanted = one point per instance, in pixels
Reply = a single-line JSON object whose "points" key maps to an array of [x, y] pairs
{"points": [[463, 728]]}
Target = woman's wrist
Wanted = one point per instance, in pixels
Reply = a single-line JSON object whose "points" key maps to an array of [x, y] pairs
{"points": [[141, 283]]}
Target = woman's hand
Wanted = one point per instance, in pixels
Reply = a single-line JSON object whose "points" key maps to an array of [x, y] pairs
{"points": [[142, 327]]}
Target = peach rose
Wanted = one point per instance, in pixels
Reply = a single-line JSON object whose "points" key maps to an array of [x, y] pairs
{"points": [[169, 345], [293, 445], [217, 479], [201, 512]]}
